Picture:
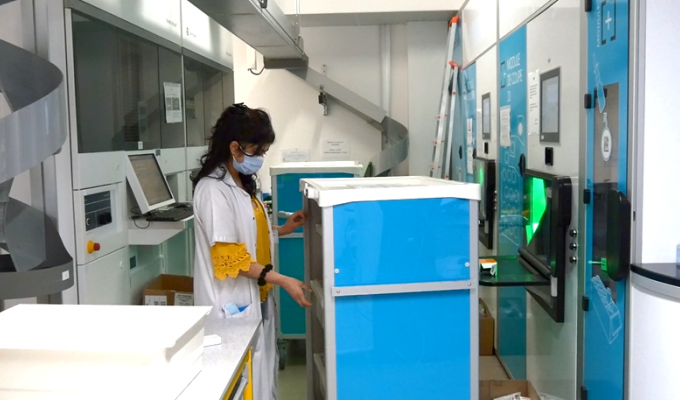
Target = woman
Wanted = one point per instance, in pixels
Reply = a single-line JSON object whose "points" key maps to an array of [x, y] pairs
{"points": [[233, 271]]}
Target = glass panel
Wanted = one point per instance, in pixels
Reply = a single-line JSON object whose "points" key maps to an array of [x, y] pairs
{"points": [[117, 88], [605, 173], [170, 70], [193, 95], [229, 97], [139, 94], [94, 54], [212, 100]]}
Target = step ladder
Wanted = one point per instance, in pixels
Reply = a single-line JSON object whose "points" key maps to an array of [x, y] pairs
{"points": [[441, 155]]}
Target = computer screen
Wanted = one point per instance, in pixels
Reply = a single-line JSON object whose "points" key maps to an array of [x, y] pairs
{"points": [[151, 179], [486, 115], [536, 215], [550, 105]]}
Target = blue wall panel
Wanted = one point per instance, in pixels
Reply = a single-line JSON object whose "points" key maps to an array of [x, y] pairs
{"points": [[513, 97], [291, 251], [404, 347], [405, 241]]}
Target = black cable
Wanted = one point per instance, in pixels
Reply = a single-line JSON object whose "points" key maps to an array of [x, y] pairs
{"points": [[256, 73]]}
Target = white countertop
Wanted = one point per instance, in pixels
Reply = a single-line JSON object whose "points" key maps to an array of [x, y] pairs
{"points": [[221, 362]]}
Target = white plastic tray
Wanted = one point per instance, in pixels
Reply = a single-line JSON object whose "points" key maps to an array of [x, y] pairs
{"points": [[74, 352], [332, 192]]}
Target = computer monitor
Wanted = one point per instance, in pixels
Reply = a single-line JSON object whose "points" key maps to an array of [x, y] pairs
{"points": [[485, 176], [148, 184]]}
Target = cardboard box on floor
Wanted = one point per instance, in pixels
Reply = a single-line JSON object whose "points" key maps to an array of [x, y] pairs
{"points": [[170, 290], [491, 390], [486, 330]]}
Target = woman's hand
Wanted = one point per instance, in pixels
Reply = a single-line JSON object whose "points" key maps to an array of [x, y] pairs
{"points": [[295, 221], [296, 290]]}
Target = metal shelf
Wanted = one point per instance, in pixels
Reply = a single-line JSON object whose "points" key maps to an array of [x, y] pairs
{"points": [[511, 272], [321, 369], [317, 290]]}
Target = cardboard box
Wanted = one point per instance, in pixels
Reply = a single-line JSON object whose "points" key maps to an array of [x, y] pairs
{"points": [[486, 330], [170, 290], [490, 390]]}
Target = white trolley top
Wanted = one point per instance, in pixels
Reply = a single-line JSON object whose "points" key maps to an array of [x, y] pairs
{"points": [[332, 192], [350, 167]]}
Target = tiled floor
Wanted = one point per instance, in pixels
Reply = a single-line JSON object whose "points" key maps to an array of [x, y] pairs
{"points": [[293, 379]]}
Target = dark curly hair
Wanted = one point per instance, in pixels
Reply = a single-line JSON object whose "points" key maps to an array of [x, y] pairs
{"points": [[241, 124]]}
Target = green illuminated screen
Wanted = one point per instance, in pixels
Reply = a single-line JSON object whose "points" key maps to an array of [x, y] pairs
{"points": [[479, 178], [535, 205]]}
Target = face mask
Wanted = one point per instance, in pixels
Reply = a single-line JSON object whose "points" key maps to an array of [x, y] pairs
{"points": [[250, 164]]}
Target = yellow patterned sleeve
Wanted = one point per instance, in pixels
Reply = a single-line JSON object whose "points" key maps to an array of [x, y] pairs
{"points": [[229, 259]]}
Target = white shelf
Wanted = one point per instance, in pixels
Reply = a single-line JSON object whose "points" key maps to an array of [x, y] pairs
{"points": [[321, 369], [317, 289], [147, 233]]}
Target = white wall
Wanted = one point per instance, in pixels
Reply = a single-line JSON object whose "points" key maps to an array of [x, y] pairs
{"points": [[479, 28], [553, 42], [513, 13], [660, 212], [367, 6], [352, 58], [426, 62], [487, 82]]}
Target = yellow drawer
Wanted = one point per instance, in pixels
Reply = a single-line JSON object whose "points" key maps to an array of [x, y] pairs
{"points": [[247, 363]]}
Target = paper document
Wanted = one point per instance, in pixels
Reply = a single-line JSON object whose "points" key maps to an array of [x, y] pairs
{"points": [[505, 127], [296, 155], [173, 102], [470, 160], [336, 150], [469, 132], [534, 91]]}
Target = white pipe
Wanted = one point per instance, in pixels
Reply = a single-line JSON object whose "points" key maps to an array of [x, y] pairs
{"points": [[386, 67]]}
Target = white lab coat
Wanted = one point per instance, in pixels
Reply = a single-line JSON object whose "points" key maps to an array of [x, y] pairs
{"points": [[224, 213]]}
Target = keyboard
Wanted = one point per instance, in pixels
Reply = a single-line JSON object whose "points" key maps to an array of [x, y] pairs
{"points": [[171, 215]]}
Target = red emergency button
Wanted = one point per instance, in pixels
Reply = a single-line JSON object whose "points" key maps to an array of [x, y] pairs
{"points": [[92, 247]]}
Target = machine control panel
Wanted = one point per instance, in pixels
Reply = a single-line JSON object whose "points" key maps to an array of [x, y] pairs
{"points": [[98, 210]]}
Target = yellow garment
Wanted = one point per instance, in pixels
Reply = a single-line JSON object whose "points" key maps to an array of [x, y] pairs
{"points": [[229, 259], [263, 255]]}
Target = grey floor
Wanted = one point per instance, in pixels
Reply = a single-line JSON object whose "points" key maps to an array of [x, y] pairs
{"points": [[293, 379]]}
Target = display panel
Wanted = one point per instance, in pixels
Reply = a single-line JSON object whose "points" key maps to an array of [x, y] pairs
{"points": [[550, 106], [148, 183], [486, 116]]}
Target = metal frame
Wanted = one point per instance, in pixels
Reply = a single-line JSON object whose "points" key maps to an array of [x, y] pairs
{"points": [[655, 286], [636, 118], [93, 12], [474, 301], [368, 290], [329, 307]]}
